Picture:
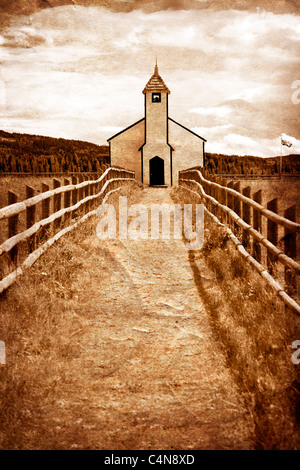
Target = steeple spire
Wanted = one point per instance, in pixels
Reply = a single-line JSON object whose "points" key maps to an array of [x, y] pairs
{"points": [[156, 68], [156, 83]]}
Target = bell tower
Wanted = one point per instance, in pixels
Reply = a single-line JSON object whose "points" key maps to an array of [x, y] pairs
{"points": [[156, 146]]}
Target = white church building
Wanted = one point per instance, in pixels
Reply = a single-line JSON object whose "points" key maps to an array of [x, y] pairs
{"points": [[156, 147]]}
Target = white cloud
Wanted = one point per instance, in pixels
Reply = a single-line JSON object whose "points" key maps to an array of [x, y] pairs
{"points": [[219, 112]]}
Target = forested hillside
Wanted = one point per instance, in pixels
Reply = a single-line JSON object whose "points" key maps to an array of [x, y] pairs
{"points": [[24, 153], [234, 164]]}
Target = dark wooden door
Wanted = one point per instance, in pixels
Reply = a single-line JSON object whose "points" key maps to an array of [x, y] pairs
{"points": [[157, 171]]}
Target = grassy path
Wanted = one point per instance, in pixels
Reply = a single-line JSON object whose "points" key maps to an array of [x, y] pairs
{"points": [[184, 396]]}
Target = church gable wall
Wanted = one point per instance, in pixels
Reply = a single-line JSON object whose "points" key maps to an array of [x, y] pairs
{"points": [[124, 148], [188, 149]]}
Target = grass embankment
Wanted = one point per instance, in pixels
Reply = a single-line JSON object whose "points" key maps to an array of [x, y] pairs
{"points": [[256, 332], [38, 324], [46, 321]]}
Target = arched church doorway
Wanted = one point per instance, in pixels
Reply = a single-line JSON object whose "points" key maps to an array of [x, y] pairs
{"points": [[157, 171]]}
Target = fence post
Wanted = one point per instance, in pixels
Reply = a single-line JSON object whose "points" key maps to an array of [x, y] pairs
{"points": [[109, 176], [80, 191], [74, 192], [56, 203], [218, 197], [246, 216], [221, 198], [206, 190], [237, 205], [67, 199], [103, 181], [86, 194], [92, 192], [98, 189], [257, 225], [214, 195], [272, 234], [212, 189], [45, 202], [30, 218], [13, 226], [230, 203], [45, 212], [290, 249], [67, 194]]}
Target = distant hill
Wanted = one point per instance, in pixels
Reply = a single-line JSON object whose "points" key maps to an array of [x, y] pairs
{"points": [[25, 153], [248, 165]]}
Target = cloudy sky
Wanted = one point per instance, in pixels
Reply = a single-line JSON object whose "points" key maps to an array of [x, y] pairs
{"points": [[76, 68]]}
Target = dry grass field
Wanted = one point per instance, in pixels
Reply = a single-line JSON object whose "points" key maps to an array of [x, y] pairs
{"points": [[256, 332]]}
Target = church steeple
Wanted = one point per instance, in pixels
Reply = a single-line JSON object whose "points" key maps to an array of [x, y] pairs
{"points": [[156, 83], [156, 147]]}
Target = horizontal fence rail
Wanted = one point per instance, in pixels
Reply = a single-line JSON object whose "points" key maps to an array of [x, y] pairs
{"points": [[237, 212], [246, 176], [77, 199]]}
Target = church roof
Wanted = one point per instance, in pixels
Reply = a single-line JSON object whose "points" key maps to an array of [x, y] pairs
{"points": [[126, 129], [156, 83]]}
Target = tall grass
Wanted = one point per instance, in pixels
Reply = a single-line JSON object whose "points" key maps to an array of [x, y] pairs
{"points": [[256, 332], [46, 395]]}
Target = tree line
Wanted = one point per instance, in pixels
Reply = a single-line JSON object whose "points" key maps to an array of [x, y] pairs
{"points": [[24, 153], [248, 165]]}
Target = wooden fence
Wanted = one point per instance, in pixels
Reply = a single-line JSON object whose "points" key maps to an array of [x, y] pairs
{"points": [[49, 174], [63, 206], [248, 176], [254, 230]]}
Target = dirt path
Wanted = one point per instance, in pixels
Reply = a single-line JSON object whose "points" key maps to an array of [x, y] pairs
{"points": [[157, 378]]}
